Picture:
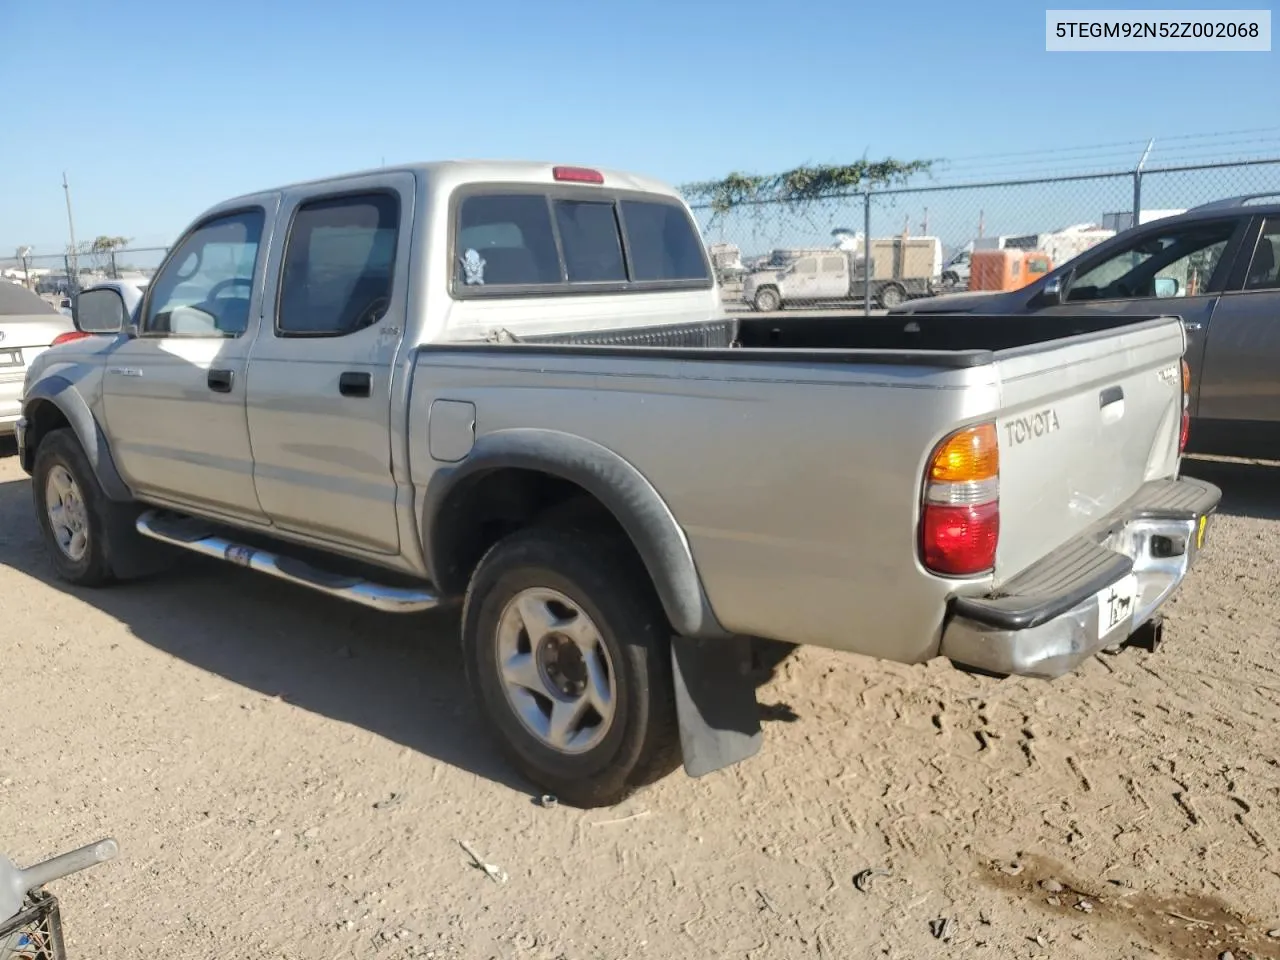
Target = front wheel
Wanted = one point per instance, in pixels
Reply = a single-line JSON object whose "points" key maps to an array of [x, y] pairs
{"points": [[767, 300], [84, 531], [567, 652]]}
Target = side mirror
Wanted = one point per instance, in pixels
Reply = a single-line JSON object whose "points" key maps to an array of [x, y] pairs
{"points": [[1053, 293], [99, 311], [1167, 287]]}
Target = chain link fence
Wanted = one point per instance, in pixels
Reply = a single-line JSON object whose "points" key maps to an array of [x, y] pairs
{"points": [[775, 255], [54, 276]]}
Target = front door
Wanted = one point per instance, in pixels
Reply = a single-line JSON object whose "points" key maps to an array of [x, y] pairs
{"points": [[1178, 270], [174, 394], [801, 282], [321, 371], [1241, 380]]}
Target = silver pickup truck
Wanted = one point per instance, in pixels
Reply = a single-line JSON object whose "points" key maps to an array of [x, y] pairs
{"points": [[510, 386]]}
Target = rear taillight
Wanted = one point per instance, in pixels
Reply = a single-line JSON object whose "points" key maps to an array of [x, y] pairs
{"points": [[960, 516], [69, 336], [1185, 433]]}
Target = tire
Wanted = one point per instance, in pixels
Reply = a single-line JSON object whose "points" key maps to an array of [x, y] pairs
{"points": [[891, 296], [949, 281], [767, 300], [555, 577], [61, 477]]}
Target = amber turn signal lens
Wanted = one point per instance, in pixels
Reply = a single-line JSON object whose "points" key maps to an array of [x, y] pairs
{"points": [[969, 454], [1186, 378]]}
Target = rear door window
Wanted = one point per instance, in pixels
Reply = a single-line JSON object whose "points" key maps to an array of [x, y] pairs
{"points": [[1264, 268], [338, 265]]}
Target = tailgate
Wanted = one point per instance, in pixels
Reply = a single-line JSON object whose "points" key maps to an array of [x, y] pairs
{"points": [[1083, 423]]}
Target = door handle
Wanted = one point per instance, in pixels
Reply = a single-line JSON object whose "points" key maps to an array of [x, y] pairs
{"points": [[220, 380], [354, 384], [1110, 395]]}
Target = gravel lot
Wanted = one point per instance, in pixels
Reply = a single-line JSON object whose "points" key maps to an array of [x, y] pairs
{"points": [[289, 776]]}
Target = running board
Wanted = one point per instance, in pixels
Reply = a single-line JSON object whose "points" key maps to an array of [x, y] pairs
{"points": [[194, 535]]}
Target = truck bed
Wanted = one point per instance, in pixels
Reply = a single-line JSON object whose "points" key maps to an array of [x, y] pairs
{"points": [[950, 341], [790, 451]]}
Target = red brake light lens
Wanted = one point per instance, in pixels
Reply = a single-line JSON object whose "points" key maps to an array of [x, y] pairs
{"points": [[69, 336], [577, 175], [961, 541]]}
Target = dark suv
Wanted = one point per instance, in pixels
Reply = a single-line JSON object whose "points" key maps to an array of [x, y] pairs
{"points": [[1216, 266]]}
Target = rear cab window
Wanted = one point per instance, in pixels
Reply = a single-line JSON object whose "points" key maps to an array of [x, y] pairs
{"points": [[543, 241]]}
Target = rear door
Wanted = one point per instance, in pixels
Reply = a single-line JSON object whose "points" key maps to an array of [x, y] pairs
{"points": [[1083, 424], [319, 385], [1180, 269], [801, 281], [833, 278], [1241, 379]]}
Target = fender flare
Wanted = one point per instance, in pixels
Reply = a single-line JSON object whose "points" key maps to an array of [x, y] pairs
{"points": [[612, 480], [63, 394]]}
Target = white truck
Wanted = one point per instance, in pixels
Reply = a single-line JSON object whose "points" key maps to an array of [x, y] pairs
{"points": [[902, 268]]}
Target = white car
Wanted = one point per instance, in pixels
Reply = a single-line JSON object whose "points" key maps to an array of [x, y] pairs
{"points": [[28, 327]]}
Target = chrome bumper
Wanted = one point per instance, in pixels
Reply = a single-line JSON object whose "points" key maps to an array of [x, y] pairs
{"points": [[1056, 615]]}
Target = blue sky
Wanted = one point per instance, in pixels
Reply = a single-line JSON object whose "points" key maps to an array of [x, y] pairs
{"points": [[170, 107]]}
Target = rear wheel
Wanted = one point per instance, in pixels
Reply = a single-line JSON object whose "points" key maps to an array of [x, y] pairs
{"points": [[767, 300], [567, 652], [891, 296]]}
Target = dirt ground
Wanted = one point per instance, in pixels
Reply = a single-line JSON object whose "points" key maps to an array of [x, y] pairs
{"points": [[289, 776]]}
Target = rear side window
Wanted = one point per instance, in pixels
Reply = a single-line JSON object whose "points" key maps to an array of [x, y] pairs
{"points": [[571, 240], [1264, 268], [338, 265], [506, 239], [663, 243]]}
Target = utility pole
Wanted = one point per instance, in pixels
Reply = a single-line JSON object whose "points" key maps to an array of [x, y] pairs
{"points": [[73, 262], [1137, 183], [24, 254]]}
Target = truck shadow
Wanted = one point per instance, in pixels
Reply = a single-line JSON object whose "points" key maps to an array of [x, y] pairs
{"points": [[399, 677], [1249, 489]]}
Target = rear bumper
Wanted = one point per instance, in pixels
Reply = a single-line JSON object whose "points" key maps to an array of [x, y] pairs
{"points": [[10, 401], [1091, 593]]}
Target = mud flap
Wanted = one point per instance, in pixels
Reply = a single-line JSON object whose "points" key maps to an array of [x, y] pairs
{"points": [[715, 703]]}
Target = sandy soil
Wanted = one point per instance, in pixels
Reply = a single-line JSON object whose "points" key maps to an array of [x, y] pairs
{"points": [[291, 777]]}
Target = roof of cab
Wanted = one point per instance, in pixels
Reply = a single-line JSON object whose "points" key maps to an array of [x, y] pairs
{"points": [[449, 174]]}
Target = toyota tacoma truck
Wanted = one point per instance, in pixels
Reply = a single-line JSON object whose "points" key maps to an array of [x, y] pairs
{"points": [[510, 387]]}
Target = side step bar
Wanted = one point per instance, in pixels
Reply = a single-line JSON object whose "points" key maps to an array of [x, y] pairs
{"points": [[191, 534]]}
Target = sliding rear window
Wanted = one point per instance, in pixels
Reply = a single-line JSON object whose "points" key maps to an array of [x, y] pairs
{"points": [[545, 243]]}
